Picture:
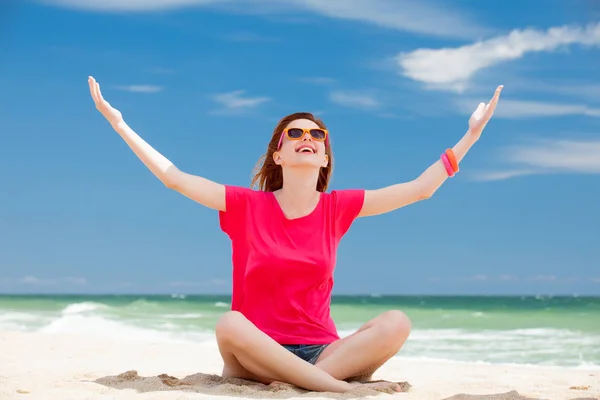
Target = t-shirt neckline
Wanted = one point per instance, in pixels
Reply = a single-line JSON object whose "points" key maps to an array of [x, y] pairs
{"points": [[282, 214]]}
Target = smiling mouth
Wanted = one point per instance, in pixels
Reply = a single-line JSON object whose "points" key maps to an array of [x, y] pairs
{"points": [[305, 149]]}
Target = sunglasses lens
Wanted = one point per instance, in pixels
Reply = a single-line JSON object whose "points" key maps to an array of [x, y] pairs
{"points": [[318, 134], [295, 133]]}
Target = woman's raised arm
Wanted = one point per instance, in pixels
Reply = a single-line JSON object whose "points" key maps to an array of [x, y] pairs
{"points": [[202, 190], [392, 197]]}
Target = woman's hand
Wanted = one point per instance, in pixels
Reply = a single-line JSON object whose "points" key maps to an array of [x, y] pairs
{"points": [[482, 115], [110, 113]]}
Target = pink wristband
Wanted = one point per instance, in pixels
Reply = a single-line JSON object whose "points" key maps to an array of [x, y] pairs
{"points": [[447, 165]]}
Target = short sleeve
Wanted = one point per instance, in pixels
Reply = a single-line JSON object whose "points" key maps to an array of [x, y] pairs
{"points": [[232, 220], [347, 206]]}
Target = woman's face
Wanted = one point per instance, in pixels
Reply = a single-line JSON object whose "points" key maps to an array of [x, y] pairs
{"points": [[305, 152]]}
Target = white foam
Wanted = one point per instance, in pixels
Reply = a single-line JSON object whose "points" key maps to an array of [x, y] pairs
{"points": [[534, 346], [85, 307], [16, 316], [184, 316], [19, 321], [581, 366], [103, 327]]}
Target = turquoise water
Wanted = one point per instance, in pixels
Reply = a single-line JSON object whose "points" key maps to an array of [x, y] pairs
{"points": [[556, 331]]}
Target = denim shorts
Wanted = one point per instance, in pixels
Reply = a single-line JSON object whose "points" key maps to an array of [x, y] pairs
{"points": [[307, 352]]}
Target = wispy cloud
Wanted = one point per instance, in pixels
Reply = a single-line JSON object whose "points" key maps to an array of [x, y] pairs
{"points": [[589, 91], [506, 278], [236, 102], [354, 99], [36, 281], [422, 17], [543, 278], [128, 5], [204, 283], [546, 157], [453, 68], [139, 88], [515, 109], [427, 17], [502, 174], [485, 277]]}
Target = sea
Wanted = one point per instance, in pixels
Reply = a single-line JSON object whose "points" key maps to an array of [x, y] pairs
{"points": [[534, 331]]}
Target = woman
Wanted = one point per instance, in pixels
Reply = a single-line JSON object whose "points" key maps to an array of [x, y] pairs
{"points": [[284, 241]]}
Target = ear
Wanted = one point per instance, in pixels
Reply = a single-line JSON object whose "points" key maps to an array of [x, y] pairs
{"points": [[277, 158], [325, 161]]}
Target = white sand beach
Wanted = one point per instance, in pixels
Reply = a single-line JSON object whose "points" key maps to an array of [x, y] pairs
{"points": [[69, 366]]}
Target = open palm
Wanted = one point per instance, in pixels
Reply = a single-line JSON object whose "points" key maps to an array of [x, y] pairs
{"points": [[109, 112], [483, 113]]}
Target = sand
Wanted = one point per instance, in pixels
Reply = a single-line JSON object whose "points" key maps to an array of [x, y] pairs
{"points": [[69, 366]]}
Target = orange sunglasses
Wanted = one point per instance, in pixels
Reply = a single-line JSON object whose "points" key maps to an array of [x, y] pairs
{"points": [[298, 133]]}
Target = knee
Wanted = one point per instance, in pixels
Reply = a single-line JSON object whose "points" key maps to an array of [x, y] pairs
{"points": [[229, 327], [394, 328]]}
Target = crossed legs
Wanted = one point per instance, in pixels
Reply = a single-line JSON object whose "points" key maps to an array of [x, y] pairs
{"points": [[250, 354]]}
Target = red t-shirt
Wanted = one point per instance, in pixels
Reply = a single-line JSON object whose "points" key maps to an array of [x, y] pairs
{"points": [[282, 268]]}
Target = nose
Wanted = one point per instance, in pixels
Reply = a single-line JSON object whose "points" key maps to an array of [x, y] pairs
{"points": [[306, 136]]}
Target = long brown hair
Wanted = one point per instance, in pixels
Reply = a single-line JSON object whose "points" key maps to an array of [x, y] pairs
{"points": [[268, 176]]}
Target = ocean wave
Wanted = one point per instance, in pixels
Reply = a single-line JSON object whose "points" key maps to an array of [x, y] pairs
{"points": [[581, 366], [183, 316], [104, 327], [84, 307], [150, 320], [537, 346]]}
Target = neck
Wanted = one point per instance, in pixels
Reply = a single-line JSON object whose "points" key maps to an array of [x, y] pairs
{"points": [[299, 188]]}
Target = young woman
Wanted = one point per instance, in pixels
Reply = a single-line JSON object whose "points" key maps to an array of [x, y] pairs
{"points": [[284, 240]]}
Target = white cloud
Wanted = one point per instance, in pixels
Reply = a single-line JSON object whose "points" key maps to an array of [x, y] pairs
{"points": [[422, 17], [543, 278], [353, 99], [577, 89], [507, 278], [32, 280], [501, 175], [209, 282], [139, 88], [476, 278], [234, 102], [127, 5], [453, 68], [547, 157], [525, 109]]}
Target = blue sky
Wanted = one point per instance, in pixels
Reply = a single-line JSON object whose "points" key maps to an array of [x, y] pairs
{"points": [[204, 82]]}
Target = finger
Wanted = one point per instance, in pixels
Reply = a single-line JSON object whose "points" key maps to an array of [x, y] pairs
{"points": [[92, 84], [99, 92], [97, 95], [479, 110], [495, 98]]}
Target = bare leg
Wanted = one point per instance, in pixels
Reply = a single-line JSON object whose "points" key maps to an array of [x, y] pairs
{"points": [[248, 353], [359, 355]]}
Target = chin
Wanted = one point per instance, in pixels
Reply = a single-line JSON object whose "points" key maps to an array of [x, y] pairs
{"points": [[305, 164]]}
